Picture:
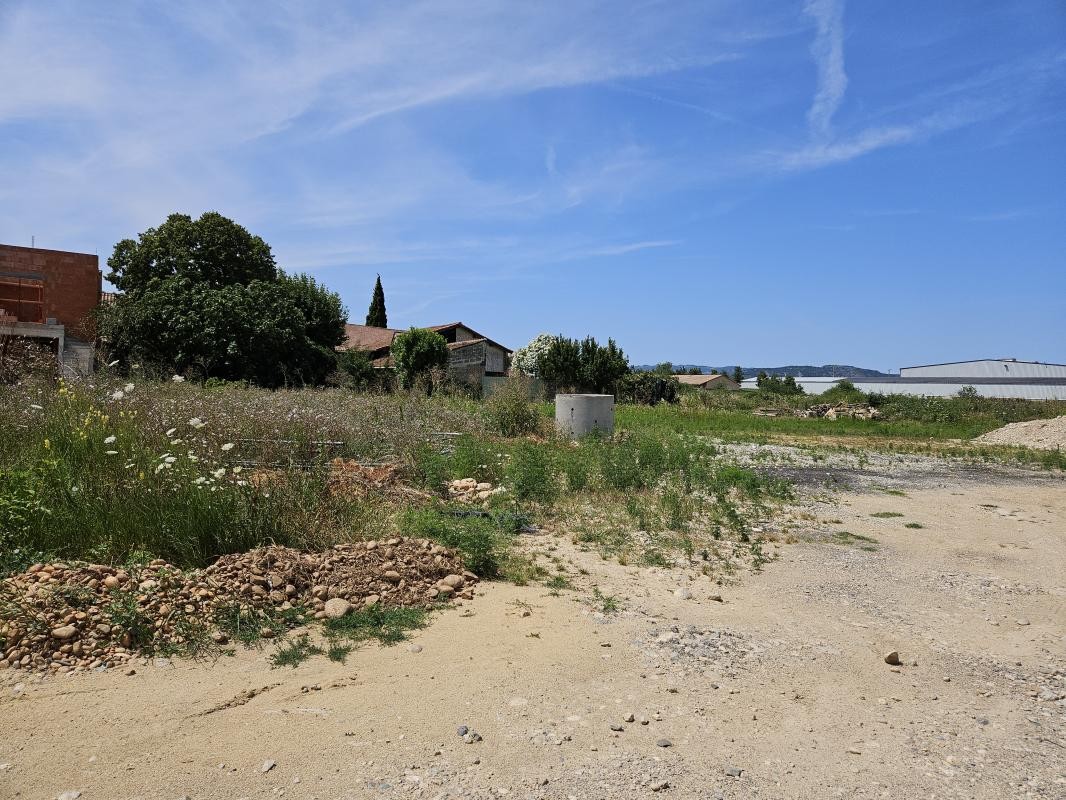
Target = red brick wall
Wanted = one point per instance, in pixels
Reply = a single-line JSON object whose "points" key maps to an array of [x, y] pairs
{"points": [[72, 281]]}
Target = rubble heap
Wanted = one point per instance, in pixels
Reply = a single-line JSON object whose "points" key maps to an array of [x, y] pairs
{"points": [[468, 490], [823, 411], [841, 410], [75, 617]]}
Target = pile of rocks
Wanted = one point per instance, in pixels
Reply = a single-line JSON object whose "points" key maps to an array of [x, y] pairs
{"points": [[396, 572], [840, 410], [72, 617], [468, 490]]}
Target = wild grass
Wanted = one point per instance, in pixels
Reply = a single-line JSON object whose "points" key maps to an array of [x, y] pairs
{"points": [[387, 626], [293, 652], [918, 420]]}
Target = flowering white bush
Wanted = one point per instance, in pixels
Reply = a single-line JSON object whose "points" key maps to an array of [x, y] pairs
{"points": [[527, 359]]}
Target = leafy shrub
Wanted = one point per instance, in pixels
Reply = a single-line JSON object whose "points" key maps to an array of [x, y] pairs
{"points": [[511, 410], [356, 368], [416, 353], [648, 388], [569, 365]]}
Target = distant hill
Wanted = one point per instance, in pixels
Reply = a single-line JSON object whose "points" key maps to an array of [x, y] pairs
{"points": [[796, 370]]}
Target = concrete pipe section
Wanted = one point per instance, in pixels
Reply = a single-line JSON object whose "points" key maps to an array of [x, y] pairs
{"points": [[578, 415]]}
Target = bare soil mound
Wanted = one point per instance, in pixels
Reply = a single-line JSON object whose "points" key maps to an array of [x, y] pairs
{"points": [[1044, 434]]}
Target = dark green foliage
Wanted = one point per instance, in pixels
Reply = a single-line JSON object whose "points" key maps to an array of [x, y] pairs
{"points": [[417, 352], [648, 388], [560, 367], [843, 392], [357, 369], [602, 366], [738, 374], [376, 316], [585, 366], [783, 386], [213, 251], [204, 298]]}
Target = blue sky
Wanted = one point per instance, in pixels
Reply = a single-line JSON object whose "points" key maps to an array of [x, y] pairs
{"points": [[721, 181]]}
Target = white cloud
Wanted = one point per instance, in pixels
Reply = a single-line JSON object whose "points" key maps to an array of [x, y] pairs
{"points": [[631, 247], [828, 53]]}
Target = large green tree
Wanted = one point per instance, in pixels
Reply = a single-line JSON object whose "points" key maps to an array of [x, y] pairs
{"points": [[416, 353], [376, 317], [211, 251], [205, 297]]}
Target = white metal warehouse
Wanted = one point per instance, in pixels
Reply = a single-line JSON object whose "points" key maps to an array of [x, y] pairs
{"points": [[990, 377]]}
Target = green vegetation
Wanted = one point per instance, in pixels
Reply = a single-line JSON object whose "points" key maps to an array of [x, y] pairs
{"points": [[376, 316], [293, 652], [606, 603], [587, 366], [204, 298], [886, 514], [385, 625], [511, 409], [847, 537], [914, 525], [417, 353]]}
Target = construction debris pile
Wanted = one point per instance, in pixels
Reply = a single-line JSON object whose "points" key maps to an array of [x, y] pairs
{"points": [[76, 617], [823, 411], [840, 411], [468, 490]]}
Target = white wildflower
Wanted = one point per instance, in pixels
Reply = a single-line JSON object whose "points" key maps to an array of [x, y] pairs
{"points": [[36, 407], [237, 470], [170, 432], [158, 467], [127, 388], [227, 447], [170, 459], [197, 423], [118, 394], [178, 379], [111, 452], [220, 472], [110, 440]]}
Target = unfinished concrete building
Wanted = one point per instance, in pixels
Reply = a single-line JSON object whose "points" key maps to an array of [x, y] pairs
{"points": [[49, 295]]}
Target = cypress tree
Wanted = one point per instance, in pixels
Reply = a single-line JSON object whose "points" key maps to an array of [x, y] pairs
{"points": [[738, 374], [376, 316]]}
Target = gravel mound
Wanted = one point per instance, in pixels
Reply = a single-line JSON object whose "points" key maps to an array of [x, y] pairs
{"points": [[1044, 434], [76, 617]]}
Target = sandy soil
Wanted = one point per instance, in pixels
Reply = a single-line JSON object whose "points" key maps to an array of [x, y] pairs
{"points": [[1047, 434], [780, 691]]}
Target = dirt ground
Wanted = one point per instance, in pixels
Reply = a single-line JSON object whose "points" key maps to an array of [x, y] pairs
{"points": [[781, 690]]}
